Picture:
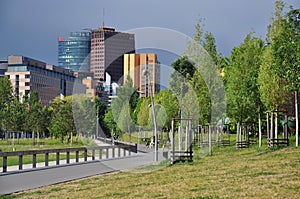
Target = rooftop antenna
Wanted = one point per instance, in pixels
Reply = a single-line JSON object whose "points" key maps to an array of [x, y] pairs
{"points": [[103, 17]]}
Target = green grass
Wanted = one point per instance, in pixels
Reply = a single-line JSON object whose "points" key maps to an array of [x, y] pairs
{"points": [[228, 173]]}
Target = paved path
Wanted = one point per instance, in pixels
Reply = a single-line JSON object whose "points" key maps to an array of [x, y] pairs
{"points": [[17, 181]]}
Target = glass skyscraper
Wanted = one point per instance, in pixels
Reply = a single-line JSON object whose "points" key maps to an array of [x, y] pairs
{"points": [[74, 50]]}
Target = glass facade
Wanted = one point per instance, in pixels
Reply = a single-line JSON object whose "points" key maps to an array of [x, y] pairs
{"points": [[73, 51]]}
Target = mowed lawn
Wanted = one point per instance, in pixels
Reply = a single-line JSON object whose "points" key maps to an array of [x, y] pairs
{"points": [[229, 173]]}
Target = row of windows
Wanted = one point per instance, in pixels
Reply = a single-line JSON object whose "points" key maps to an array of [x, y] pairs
{"points": [[39, 70], [75, 41], [92, 60], [97, 67], [97, 44], [72, 56], [80, 34]]}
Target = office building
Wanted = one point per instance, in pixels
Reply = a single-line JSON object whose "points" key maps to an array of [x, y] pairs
{"points": [[135, 64], [3, 67], [74, 50], [95, 88], [107, 50], [28, 75]]}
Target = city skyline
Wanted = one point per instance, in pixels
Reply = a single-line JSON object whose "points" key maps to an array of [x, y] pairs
{"points": [[35, 34]]}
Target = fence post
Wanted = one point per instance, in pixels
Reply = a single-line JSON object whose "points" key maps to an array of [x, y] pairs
{"points": [[68, 157], [33, 160], [85, 155], [107, 153], [4, 164], [100, 154], [57, 158], [20, 162], [46, 159], [113, 152], [93, 154], [77, 155]]}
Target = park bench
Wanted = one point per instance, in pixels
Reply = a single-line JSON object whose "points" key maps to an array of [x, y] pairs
{"points": [[242, 144], [277, 142], [182, 156]]}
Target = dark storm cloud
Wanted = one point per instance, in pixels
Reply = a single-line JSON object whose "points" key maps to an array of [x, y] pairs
{"points": [[32, 27]]}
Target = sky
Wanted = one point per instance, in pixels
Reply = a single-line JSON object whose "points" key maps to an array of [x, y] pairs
{"points": [[32, 27]]}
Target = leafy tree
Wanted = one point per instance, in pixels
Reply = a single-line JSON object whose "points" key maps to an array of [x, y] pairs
{"points": [[190, 107], [241, 80], [121, 108], [169, 102], [286, 50], [271, 84], [16, 116], [6, 99], [36, 116], [62, 123], [110, 122], [143, 113], [6, 96], [124, 121]]}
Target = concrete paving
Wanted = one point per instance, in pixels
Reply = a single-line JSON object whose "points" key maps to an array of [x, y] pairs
{"points": [[16, 181]]}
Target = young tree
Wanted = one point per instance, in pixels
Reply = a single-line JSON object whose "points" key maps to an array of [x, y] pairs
{"points": [[241, 80], [143, 113], [62, 123], [170, 103], [6, 98], [124, 95], [271, 84], [111, 123]]}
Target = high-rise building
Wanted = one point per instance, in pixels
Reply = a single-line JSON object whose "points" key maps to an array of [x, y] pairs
{"points": [[27, 75], [135, 66], [74, 50], [107, 50]]}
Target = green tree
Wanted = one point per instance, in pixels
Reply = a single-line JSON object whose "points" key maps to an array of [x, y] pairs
{"points": [[143, 113], [241, 80], [124, 95], [6, 90], [124, 105], [36, 117], [286, 50], [170, 104], [271, 84], [6, 99], [103, 129], [111, 123], [62, 122]]}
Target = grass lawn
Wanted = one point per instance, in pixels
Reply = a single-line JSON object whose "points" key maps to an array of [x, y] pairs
{"points": [[229, 173]]}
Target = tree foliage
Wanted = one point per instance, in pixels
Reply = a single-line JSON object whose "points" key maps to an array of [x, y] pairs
{"points": [[241, 80], [273, 76]]}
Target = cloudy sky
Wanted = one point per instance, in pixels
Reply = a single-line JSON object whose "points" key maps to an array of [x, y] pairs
{"points": [[32, 27]]}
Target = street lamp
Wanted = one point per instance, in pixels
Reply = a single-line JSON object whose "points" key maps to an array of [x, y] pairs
{"points": [[97, 124], [146, 74]]}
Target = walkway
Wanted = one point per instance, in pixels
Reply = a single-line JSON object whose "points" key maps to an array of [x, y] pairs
{"points": [[17, 181]]}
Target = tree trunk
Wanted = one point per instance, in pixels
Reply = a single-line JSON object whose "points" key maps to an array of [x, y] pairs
{"points": [[259, 127], [297, 118], [33, 141]]}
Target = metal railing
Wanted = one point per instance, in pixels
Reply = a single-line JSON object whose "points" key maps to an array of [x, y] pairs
{"points": [[108, 151]]}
